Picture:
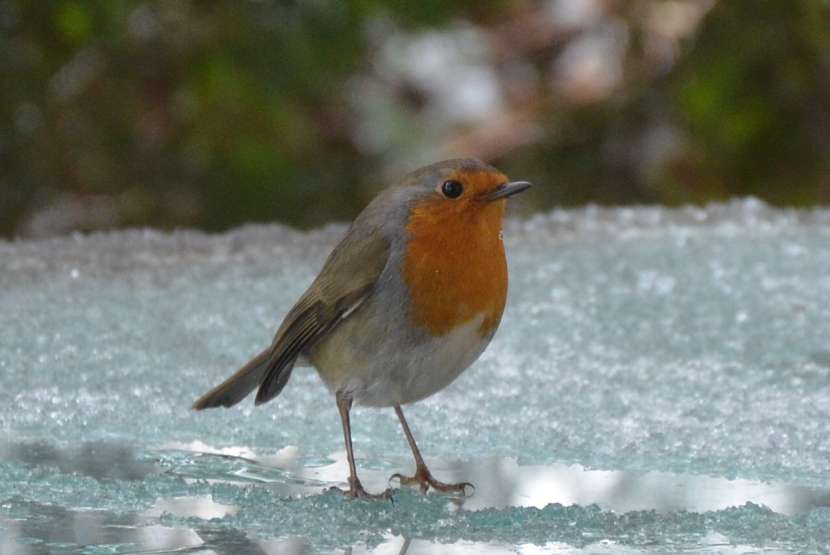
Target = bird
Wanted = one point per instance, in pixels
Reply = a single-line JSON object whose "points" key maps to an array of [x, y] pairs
{"points": [[407, 300]]}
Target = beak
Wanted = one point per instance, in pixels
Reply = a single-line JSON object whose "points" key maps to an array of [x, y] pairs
{"points": [[506, 190]]}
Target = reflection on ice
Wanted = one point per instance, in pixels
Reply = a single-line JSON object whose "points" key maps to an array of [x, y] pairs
{"points": [[197, 506], [226, 486], [99, 460], [502, 483]]}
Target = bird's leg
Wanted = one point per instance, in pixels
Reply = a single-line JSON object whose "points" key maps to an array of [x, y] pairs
{"points": [[422, 477], [344, 404]]}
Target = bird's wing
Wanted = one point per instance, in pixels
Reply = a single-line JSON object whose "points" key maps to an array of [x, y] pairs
{"points": [[347, 279]]}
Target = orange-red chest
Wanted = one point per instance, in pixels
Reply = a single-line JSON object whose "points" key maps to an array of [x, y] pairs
{"points": [[455, 267]]}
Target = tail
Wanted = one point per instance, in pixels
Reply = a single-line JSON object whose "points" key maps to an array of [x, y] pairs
{"points": [[238, 386]]}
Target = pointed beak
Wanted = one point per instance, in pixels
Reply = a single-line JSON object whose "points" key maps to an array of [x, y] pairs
{"points": [[506, 190]]}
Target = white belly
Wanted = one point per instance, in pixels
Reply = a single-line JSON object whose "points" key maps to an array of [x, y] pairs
{"points": [[388, 373]]}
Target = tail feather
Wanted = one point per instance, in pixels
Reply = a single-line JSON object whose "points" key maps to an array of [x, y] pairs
{"points": [[238, 386]]}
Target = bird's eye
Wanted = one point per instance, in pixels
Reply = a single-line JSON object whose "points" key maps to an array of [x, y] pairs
{"points": [[452, 189]]}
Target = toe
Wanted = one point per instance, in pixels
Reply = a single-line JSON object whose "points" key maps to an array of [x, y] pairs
{"points": [[359, 493], [403, 480], [464, 488]]}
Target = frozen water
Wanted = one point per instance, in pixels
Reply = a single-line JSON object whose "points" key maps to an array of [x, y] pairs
{"points": [[661, 381]]}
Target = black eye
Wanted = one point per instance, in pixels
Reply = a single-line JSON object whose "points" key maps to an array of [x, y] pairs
{"points": [[452, 189]]}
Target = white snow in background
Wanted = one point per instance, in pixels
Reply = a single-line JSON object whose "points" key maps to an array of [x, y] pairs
{"points": [[692, 341]]}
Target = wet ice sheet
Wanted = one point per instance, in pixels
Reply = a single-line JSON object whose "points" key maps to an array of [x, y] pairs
{"points": [[232, 500], [692, 342]]}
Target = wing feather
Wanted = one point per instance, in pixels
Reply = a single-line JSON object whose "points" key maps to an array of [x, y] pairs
{"points": [[347, 279]]}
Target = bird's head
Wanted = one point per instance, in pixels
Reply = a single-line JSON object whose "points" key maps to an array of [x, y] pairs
{"points": [[462, 193]]}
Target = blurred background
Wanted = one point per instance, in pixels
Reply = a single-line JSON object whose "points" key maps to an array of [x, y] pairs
{"points": [[209, 114]]}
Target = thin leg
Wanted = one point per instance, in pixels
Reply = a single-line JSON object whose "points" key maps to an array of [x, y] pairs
{"points": [[355, 487], [419, 460], [422, 476]]}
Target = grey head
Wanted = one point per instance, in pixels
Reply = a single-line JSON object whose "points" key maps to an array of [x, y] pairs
{"points": [[460, 180]]}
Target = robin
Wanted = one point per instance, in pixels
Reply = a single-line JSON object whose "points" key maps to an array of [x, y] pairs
{"points": [[407, 300]]}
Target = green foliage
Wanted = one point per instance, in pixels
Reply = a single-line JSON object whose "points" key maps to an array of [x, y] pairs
{"points": [[210, 114], [755, 96]]}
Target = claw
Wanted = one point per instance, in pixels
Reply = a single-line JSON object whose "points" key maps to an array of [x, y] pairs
{"points": [[424, 480], [356, 491]]}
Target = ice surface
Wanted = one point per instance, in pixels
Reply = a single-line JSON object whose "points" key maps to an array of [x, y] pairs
{"points": [[679, 358]]}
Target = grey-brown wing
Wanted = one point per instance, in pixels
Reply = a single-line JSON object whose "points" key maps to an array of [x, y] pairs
{"points": [[347, 279]]}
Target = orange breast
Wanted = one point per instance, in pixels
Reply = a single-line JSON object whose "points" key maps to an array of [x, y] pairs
{"points": [[455, 267]]}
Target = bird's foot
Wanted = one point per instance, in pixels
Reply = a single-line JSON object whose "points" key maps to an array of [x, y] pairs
{"points": [[424, 480], [357, 491]]}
